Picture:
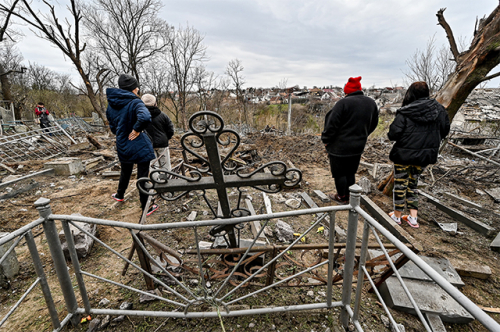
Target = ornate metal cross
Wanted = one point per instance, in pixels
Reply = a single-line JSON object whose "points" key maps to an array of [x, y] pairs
{"points": [[207, 129]]}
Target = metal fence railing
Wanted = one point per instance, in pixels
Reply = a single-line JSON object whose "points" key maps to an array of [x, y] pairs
{"points": [[34, 144], [216, 292]]}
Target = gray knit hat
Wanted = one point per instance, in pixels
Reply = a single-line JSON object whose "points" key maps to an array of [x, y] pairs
{"points": [[127, 82], [149, 100]]}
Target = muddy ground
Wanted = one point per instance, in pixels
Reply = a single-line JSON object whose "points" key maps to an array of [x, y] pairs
{"points": [[90, 195]]}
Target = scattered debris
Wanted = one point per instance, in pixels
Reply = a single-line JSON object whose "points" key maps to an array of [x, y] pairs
{"points": [[284, 232]]}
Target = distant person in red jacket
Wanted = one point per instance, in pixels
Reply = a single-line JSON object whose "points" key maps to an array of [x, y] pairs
{"points": [[43, 116]]}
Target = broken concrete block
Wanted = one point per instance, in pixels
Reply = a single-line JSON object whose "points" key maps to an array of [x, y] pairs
{"points": [[429, 297], [83, 242], [284, 232], [66, 166], [292, 203], [10, 266], [495, 245], [365, 185], [494, 193], [471, 269]]}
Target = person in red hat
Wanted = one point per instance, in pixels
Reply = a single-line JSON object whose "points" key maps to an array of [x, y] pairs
{"points": [[347, 126]]}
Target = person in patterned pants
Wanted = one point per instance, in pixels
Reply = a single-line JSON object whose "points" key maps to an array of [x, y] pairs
{"points": [[405, 188], [417, 130]]}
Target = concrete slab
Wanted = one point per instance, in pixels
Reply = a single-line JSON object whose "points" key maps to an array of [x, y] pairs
{"points": [[440, 265], [10, 266], [429, 297], [471, 269], [495, 245], [435, 323], [65, 166]]}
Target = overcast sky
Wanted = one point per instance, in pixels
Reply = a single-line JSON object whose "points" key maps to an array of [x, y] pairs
{"points": [[305, 42]]}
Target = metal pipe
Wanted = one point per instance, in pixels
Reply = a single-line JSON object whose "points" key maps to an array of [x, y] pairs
{"points": [[8, 183], [18, 303], [49, 227], [76, 265], [275, 258], [331, 262], [277, 283], [130, 289], [12, 247], [356, 323], [362, 261], [352, 227], [465, 302], [21, 231], [391, 319], [212, 314], [139, 243], [199, 223], [37, 263]]}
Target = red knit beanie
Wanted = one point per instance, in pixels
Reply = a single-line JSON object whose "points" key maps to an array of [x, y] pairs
{"points": [[352, 85]]}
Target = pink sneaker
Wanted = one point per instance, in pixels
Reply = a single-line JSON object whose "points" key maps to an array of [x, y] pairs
{"points": [[116, 198], [413, 224]]}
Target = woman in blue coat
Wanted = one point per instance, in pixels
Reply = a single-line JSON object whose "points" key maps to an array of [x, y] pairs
{"points": [[128, 117]]}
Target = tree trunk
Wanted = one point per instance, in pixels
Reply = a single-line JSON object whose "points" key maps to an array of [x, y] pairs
{"points": [[474, 64]]}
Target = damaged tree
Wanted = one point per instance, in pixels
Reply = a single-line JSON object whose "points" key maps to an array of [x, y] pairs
{"points": [[67, 39], [473, 65]]}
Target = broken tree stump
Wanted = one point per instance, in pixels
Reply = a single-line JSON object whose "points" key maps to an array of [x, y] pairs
{"points": [[387, 184]]}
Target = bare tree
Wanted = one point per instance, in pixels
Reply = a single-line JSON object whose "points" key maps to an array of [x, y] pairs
{"points": [[66, 38], [233, 71], [127, 33], [431, 65], [6, 11], [184, 55], [474, 65]]}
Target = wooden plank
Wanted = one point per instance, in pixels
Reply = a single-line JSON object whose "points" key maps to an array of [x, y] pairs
{"points": [[255, 225], [490, 310], [457, 215], [386, 221], [7, 168]]}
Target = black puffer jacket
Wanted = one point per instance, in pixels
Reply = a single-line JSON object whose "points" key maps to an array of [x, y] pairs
{"points": [[348, 124], [161, 129], [418, 130]]}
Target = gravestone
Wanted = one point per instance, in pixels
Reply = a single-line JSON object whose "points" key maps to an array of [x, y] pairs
{"points": [[10, 265]]}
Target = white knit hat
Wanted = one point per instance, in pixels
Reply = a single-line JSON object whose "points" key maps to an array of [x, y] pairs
{"points": [[149, 100]]}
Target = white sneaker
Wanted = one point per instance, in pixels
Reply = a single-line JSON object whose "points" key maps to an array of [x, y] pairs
{"points": [[396, 219]]}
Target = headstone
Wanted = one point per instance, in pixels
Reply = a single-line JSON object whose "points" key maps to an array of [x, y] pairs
{"points": [[66, 166], [10, 265], [429, 297], [83, 242]]}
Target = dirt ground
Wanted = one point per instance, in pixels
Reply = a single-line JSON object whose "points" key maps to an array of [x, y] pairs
{"points": [[90, 195]]}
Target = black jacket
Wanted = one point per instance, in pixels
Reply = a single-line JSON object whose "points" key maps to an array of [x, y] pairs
{"points": [[418, 130], [348, 124], [160, 129]]}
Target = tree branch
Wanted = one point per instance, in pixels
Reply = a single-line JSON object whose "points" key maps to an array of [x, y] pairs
{"points": [[449, 34], [487, 78]]}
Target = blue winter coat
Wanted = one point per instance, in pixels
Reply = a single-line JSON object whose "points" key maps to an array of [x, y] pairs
{"points": [[125, 112]]}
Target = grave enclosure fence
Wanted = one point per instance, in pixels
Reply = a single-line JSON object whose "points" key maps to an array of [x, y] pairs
{"points": [[209, 298]]}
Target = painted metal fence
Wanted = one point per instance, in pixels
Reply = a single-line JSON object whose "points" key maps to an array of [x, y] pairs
{"points": [[184, 301]]}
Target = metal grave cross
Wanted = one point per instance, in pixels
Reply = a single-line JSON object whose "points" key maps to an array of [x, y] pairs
{"points": [[207, 129]]}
